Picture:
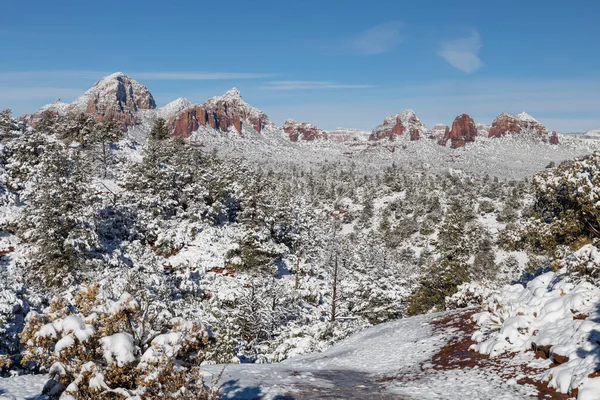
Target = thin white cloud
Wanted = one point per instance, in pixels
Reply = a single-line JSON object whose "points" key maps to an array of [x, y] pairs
{"points": [[310, 85], [462, 53], [198, 75], [378, 39], [11, 76]]}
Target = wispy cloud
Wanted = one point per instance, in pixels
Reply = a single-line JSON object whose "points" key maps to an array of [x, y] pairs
{"points": [[310, 85], [462, 53], [199, 76], [378, 39], [11, 76]]}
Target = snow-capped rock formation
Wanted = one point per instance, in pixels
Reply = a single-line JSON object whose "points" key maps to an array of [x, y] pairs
{"points": [[463, 131], [115, 96], [220, 113], [521, 123], [302, 131], [437, 131], [348, 135], [592, 134], [405, 122], [57, 108], [482, 129], [120, 97]]}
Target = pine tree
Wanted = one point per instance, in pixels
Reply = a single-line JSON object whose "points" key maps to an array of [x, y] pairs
{"points": [[106, 133], [78, 128], [6, 122], [159, 131], [58, 219], [47, 124]]}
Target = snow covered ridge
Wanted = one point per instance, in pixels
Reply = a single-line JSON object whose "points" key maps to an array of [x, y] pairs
{"points": [[400, 124], [556, 314], [121, 97], [592, 134]]}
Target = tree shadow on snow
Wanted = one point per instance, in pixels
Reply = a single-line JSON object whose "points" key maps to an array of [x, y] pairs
{"points": [[594, 339], [232, 390], [328, 384]]}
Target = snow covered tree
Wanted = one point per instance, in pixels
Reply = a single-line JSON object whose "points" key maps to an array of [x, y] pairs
{"points": [[6, 122], [439, 281], [78, 128], [106, 133], [48, 123], [58, 219], [453, 243], [23, 157], [160, 130], [161, 182], [566, 208]]}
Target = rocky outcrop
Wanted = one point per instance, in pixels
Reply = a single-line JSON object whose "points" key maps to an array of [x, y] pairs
{"points": [[437, 132], [222, 113], [302, 131], [188, 121], [116, 96], [463, 131], [521, 124], [405, 123], [56, 109], [348, 135]]}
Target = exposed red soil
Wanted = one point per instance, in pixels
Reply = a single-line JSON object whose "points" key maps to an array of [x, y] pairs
{"points": [[5, 252], [456, 355]]}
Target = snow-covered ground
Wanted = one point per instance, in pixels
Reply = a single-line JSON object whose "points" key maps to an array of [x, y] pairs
{"points": [[22, 387], [558, 314], [388, 361]]}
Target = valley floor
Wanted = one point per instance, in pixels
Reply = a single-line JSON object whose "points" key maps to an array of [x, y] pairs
{"points": [[423, 357]]}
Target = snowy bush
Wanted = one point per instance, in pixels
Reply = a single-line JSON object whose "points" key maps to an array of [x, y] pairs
{"points": [[92, 347], [556, 313], [584, 265], [566, 207], [440, 281], [468, 294]]}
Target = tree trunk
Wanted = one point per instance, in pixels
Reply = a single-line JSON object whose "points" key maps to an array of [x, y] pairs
{"points": [[334, 290], [297, 264]]}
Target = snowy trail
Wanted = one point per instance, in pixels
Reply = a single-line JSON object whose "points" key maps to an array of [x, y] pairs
{"points": [[24, 387], [388, 361], [394, 360]]}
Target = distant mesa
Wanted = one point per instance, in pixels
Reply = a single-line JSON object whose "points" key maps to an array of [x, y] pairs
{"points": [[521, 124], [222, 113], [592, 134], [405, 124], [302, 131]]}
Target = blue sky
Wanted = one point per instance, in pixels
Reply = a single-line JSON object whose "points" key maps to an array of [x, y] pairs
{"points": [[334, 63]]}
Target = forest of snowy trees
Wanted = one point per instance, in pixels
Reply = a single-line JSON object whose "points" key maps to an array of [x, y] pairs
{"points": [[127, 265]]}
